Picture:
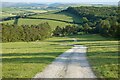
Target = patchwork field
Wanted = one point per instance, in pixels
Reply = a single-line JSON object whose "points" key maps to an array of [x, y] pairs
{"points": [[52, 23], [54, 16], [9, 12], [61, 16], [5, 15], [54, 19], [25, 59], [38, 11]]}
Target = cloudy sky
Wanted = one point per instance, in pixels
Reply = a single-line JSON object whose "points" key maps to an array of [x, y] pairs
{"points": [[66, 1]]}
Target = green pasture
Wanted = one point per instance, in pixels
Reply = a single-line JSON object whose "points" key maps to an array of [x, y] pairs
{"points": [[8, 12], [8, 22], [52, 23], [54, 19], [26, 59], [12, 10], [54, 16], [38, 11], [7, 9], [63, 16], [102, 54], [5, 15]]}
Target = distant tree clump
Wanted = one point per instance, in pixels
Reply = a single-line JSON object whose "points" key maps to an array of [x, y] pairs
{"points": [[12, 33], [67, 30]]}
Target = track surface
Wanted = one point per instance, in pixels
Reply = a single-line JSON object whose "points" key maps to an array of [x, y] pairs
{"points": [[71, 64]]}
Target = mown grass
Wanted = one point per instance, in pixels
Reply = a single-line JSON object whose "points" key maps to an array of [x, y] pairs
{"points": [[102, 55], [54, 19], [5, 15], [63, 16], [22, 59], [54, 16], [9, 12], [8, 22], [25, 59], [38, 11], [52, 23]]}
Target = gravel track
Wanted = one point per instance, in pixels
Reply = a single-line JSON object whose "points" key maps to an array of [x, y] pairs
{"points": [[71, 64]]}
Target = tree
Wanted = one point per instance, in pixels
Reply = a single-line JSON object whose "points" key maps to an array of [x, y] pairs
{"points": [[85, 19], [86, 27], [58, 31], [117, 33], [105, 26]]}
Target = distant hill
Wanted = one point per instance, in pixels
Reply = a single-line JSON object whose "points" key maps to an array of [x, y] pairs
{"points": [[12, 4], [54, 5]]}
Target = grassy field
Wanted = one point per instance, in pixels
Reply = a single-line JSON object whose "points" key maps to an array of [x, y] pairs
{"points": [[63, 16], [55, 16], [73, 17], [5, 15], [38, 11], [53, 19], [9, 12], [102, 55], [9, 22], [52, 23], [24, 60]]}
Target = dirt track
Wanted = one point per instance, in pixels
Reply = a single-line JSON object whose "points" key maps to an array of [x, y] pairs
{"points": [[71, 64]]}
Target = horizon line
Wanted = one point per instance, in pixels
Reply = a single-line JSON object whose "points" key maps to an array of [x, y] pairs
{"points": [[59, 2]]}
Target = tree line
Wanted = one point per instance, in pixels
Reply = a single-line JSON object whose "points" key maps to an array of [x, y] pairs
{"points": [[13, 33], [71, 30], [100, 20], [17, 16]]}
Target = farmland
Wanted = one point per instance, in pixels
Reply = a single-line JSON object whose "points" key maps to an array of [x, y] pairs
{"points": [[14, 10], [54, 16], [24, 59], [53, 19], [20, 59], [25, 62], [4, 15], [9, 12], [52, 23]]}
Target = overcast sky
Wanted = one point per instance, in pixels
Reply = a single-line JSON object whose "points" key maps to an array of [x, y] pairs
{"points": [[66, 1]]}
